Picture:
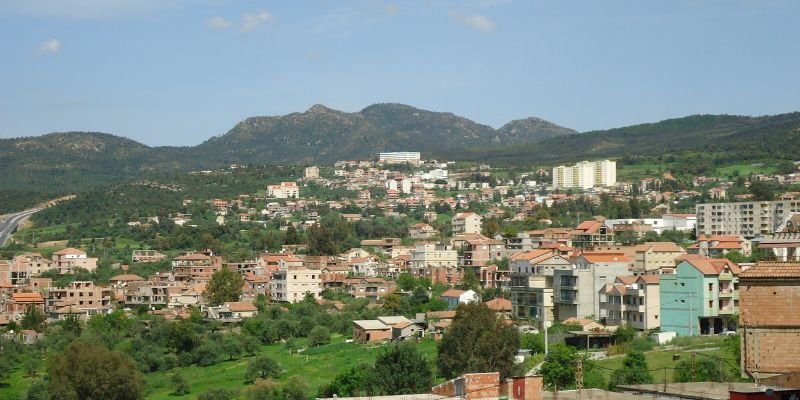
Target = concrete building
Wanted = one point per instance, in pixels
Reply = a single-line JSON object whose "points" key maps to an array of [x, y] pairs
{"points": [[701, 297], [311, 172], [291, 285], [656, 257], [400, 157], [633, 301], [467, 222], [65, 261], [532, 297], [286, 190], [592, 233], [749, 219], [83, 297], [585, 175], [576, 289], [769, 321]]}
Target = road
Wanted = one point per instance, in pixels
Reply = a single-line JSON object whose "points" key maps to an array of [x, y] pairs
{"points": [[8, 225]]}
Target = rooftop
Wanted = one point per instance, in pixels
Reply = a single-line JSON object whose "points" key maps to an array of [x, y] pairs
{"points": [[773, 270]]}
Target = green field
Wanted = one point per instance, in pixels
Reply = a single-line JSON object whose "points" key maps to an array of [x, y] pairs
{"points": [[659, 360], [745, 169]]}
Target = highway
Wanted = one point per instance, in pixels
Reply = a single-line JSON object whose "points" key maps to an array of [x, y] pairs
{"points": [[8, 225]]}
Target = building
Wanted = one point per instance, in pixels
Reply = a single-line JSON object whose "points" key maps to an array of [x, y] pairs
{"points": [[719, 245], [293, 284], [286, 190], [195, 267], [749, 219], [656, 257], [632, 301], [768, 320], [400, 157], [65, 261], [81, 298], [576, 288], [19, 270], [422, 231], [592, 233], [585, 175], [467, 222], [425, 256], [454, 297], [311, 172], [701, 297], [146, 256]]}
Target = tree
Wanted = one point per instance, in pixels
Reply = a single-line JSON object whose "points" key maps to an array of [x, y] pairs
{"points": [[533, 342], [295, 388], [624, 334], [181, 384], [358, 381], [558, 368], [264, 389], [477, 341], [262, 367], [402, 369], [232, 345], [705, 370], [33, 318], [225, 285], [86, 371], [633, 371], [406, 282], [469, 281], [319, 335]]}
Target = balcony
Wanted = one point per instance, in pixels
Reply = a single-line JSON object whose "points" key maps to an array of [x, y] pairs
{"points": [[725, 277], [726, 293]]}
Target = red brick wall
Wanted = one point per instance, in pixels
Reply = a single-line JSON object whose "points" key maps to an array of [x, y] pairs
{"points": [[523, 388], [769, 305], [476, 386]]}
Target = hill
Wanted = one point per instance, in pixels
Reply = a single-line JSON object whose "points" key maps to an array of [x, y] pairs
{"points": [[725, 138], [323, 135], [77, 161]]}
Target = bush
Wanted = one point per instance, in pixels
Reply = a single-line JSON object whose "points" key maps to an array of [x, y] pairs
{"points": [[218, 394], [319, 335], [181, 384], [262, 367]]}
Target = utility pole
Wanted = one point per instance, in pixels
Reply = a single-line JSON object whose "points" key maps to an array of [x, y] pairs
{"points": [[693, 356], [579, 376], [544, 326]]}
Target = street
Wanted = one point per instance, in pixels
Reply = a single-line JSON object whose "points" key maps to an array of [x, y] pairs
{"points": [[8, 225]]}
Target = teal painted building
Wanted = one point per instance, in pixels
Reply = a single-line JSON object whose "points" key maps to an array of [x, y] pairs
{"points": [[701, 297]]}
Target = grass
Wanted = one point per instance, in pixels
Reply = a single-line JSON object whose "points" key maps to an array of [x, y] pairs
{"points": [[318, 366], [745, 169]]}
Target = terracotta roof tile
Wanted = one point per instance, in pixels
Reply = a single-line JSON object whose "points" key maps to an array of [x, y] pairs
{"points": [[772, 270]]}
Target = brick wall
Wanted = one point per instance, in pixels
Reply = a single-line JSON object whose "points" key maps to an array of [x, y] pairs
{"points": [[762, 304], [475, 386], [523, 388]]}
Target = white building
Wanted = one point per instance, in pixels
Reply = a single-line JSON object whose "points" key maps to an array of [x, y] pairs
{"points": [[467, 222], [312, 172], [286, 190], [427, 255], [749, 219], [400, 157], [291, 285], [586, 175]]}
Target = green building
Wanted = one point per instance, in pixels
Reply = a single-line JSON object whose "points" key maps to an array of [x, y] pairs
{"points": [[701, 297]]}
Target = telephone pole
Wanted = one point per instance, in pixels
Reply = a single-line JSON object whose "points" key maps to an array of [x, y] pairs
{"points": [[693, 356]]}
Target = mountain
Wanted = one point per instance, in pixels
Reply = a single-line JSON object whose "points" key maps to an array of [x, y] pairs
{"points": [[324, 135], [729, 138], [75, 161]]}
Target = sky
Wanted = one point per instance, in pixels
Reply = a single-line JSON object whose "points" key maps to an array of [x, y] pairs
{"points": [[177, 72]]}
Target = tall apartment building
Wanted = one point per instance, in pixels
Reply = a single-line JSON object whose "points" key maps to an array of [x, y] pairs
{"points": [[400, 157], [311, 172], [291, 285], [749, 219], [427, 255], [286, 190], [467, 222], [586, 175]]}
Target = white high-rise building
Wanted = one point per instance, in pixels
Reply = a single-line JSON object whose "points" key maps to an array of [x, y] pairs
{"points": [[400, 157], [585, 175]]}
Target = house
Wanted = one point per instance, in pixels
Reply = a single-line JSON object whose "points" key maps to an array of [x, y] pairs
{"points": [[407, 330], [19, 270], [426, 255], [500, 306], [68, 259], [81, 297], [467, 222], [231, 311], [422, 231], [454, 297], [16, 306], [146, 256], [370, 330], [585, 324], [592, 233], [372, 289], [719, 245], [633, 301], [768, 320], [195, 266], [701, 297]]}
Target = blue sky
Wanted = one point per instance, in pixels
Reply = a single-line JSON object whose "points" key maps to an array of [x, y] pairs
{"points": [[176, 72]]}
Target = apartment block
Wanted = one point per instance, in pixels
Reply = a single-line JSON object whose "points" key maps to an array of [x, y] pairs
{"points": [[586, 175], [467, 222], [632, 301], [400, 157], [291, 285], [286, 190], [68, 259], [749, 219], [576, 289]]}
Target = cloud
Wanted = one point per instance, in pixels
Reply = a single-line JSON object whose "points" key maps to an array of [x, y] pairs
{"points": [[218, 23], [478, 22], [253, 21], [51, 46]]}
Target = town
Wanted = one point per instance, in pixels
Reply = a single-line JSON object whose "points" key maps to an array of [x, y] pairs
{"points": [[393, 249]]}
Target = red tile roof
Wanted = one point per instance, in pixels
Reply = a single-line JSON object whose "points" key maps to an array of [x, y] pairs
{"points": [[772, 270], [499, 304]]}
